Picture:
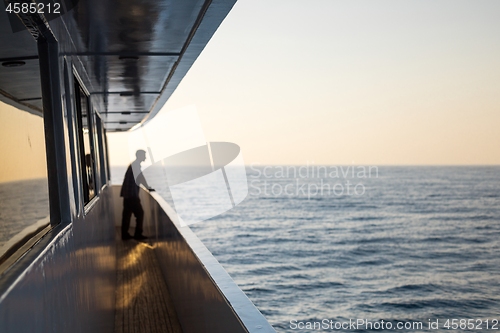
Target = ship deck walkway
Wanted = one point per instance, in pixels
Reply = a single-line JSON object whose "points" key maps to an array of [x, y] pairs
{"points": [[143, 302]]}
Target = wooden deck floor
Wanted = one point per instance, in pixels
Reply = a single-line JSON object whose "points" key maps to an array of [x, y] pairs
{"points": [[143, 303]]}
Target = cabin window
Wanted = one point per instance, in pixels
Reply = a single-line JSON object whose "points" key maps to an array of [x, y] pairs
{"points": [[102, 150], [96, 149], [85, 136], [24, 198], [108, 171], [70, 114]]}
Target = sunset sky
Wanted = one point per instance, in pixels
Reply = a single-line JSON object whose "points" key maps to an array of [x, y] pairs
{"points": [[342, 82], [22, 144]]}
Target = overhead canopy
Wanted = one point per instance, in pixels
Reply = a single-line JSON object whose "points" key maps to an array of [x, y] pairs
{"points": [[137, 51]]}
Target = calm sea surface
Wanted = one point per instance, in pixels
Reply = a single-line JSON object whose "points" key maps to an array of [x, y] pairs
{"points": [[404, 244], [22, 204]]}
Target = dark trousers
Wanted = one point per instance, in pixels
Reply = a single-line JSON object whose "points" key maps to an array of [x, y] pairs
{"points": [[132, 205]]}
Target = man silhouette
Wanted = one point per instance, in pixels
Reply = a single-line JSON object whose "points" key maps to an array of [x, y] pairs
{"points": [[130, 193]]}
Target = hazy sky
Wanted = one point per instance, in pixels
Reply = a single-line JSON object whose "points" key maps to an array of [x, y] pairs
{"points": [[22, 145], [342, 82]]}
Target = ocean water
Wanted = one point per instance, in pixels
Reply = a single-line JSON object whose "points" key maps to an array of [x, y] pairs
{"points": [[402, 245], [22, 204]]}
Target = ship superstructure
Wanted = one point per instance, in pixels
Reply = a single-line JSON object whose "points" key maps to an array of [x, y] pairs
{"points": [[67, 78]]}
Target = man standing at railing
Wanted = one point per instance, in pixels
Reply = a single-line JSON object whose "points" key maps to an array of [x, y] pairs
{"points": [[130, 193]]}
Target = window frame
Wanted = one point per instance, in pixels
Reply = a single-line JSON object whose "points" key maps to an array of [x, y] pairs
{"points": [[102, 144], [89, 195]]}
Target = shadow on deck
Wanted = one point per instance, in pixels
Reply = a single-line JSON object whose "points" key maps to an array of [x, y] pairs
{"points": [[143, 302]]}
